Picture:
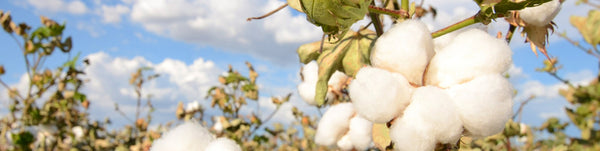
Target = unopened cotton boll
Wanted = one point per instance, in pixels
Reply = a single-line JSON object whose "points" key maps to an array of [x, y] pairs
{"points": [[379, 95], [540, 15], [334, 124], [430, 118], [472, 53], [484, 104], [360, 132], [185, 137], [223, 144], [406, 49]]}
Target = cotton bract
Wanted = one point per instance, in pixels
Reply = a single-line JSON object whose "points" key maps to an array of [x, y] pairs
{"points": [[189, 136], [334, 124], [379, 95], [484, 104], [472, 53], [406, 49], [540, 15], [430, 118]]}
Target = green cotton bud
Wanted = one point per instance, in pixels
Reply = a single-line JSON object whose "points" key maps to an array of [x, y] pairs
{"points": [[337, 16]]}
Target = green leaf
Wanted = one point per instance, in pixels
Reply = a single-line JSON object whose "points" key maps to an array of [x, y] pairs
{"points": [[23, 139], [79, 96], [71, 63], [335, 17], [329, 62]]}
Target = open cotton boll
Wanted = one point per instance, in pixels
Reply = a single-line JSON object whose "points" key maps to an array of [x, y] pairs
{"points": [[379, 95], [223, 144], [472, 53], [307, 88], [345, 143], [337, 80], [540, 15], [406, 49], [484, 104], [334, 124], [441, 42], [360, 132], [185, 137], [430, 118]]}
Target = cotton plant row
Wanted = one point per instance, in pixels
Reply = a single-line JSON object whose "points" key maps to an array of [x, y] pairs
{"points": [[193, 136], [430, 91]]}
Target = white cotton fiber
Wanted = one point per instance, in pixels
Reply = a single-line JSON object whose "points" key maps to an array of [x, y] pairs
{"points": [[441, 42], [307, 88], [345, 143], [540, 15], [472, 53], [379, 95], [360, 133], [188, 136], [430, 118], [484, 104], [334, 124], [223, 144], [406, 49]]}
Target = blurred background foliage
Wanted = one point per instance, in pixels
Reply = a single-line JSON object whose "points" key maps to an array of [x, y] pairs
{"points": [[52, 114]]}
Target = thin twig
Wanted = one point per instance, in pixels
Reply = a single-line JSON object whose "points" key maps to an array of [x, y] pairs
{"points": [[395, 13], [265, 120], [466, 22], [510, 33], [576, 44], [376, 21], [518, 113], [268, 14]]}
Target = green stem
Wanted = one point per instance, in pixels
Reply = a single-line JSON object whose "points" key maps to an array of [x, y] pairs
{"points": [[394, 13], [404, 5], [464, 23]]}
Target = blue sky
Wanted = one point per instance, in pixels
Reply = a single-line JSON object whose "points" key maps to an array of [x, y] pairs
{"points": [[191, 42]]}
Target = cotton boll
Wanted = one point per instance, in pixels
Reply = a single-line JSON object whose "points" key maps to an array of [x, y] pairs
{"points": [[223, 144], [185, 137], [540, 15], [337, 80], [430, 118], [334, 124], [472, 53], [345, 143], [360, 133], [406, 49], [441, 42], [307, 88], [379, 95], [484, 104]]}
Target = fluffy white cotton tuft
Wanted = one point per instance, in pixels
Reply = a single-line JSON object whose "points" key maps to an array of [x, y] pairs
{"points": [[360, 133], [334, 124], [441, 42], [223, 144], [187, 136], [540, 15], [307, 88], [406, 49], [472, 53], [379, 95], [345, 143], [430, 118], [484, 104]]}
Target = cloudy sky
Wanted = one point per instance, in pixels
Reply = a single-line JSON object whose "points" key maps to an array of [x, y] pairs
{"points": [[191, 42]]}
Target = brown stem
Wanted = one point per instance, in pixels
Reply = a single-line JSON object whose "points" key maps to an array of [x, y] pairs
{"points": [[268, 14]]}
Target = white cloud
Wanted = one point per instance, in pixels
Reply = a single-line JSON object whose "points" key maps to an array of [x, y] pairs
{"points": [[70, 6], [112, 14], [109, 84], [91, 28], [223, 25]]}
